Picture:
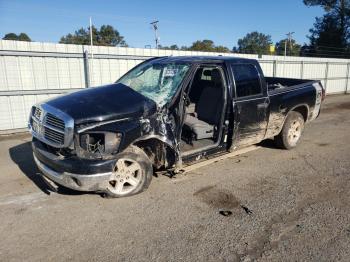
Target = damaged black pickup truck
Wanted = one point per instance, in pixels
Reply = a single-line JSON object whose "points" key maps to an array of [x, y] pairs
{"points": [[165, 113]]}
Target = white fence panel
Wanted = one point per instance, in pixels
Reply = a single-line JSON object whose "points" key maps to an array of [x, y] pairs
{"points": [[267, 67], [31, 72]]}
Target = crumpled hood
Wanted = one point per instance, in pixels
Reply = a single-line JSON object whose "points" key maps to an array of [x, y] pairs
{"points": [[104, 103]]}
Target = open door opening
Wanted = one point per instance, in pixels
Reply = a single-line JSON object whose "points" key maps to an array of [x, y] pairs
{"points": [[204, 111]]}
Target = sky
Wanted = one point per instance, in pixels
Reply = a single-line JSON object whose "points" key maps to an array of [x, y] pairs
{"points": [[180, 22]]}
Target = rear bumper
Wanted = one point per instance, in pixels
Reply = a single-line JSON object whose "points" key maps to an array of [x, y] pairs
{"points": [[73, 172]]}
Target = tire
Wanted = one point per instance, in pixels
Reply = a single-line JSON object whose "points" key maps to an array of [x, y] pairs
{"points": [[132, 173], [291, 132]]}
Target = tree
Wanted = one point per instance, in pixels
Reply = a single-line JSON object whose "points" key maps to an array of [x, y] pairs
{"points": [[199, 45], [293, 48], [110, 36], [80, 37], [221, 49], [24, 37], [207, 46], [172, 47], [330, 35], [254, 43], [20, 37], [326, 32], [10, 36], [338, 10], [106, 36]]}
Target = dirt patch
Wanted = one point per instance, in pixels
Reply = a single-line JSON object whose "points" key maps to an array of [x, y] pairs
{"points": [[20, 136], [216, 198], [322, 144], [334, 108]]}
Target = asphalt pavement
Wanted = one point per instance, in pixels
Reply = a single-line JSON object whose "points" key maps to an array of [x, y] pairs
{"points": [[264, 205]]}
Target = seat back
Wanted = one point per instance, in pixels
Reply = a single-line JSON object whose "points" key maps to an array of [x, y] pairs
{"points": [[209, 105], [196, 88]]}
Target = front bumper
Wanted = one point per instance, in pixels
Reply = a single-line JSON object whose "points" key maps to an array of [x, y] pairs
{"points": [[95, 182], [74, 173]]}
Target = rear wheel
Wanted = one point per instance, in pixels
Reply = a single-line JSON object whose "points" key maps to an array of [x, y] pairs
{"points": [[132, 173], [291, 132]]}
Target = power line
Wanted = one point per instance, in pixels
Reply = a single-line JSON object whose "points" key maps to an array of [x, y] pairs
{"points": [[331, 47]]}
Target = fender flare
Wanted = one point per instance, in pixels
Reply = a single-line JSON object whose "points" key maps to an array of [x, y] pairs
{"points": [[165, 141], [293, 109]]}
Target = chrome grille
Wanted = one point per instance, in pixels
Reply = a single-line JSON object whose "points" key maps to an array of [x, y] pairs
{"points": [[54, 121], [54, 136], [54, 129], [51, 126], [37, 112]]}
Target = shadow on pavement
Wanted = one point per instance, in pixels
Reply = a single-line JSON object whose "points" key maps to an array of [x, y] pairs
{"points": [[268, 143], [22, 155]]}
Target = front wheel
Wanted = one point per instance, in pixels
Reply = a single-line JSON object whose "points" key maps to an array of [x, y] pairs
{"points": [[291, 132], [132, 173]]}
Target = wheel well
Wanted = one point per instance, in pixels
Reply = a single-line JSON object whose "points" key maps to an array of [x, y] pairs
{"points": [[160, 154], [303, 110]]}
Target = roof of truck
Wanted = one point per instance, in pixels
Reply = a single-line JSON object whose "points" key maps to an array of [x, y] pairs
{"points": [[194, 59]]}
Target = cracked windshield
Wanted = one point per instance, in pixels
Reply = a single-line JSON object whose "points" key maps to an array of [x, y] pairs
{"points": [[157, 81]]}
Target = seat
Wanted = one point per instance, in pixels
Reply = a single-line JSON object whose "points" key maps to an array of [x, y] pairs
{"points": [[197, 86], [208, 109], [200, 128]]}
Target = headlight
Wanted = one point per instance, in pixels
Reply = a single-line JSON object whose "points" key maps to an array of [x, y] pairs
{"points": [[99, 142]]}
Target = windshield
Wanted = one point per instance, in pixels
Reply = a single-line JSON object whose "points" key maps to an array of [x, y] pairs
{"points": [[158, 81]]}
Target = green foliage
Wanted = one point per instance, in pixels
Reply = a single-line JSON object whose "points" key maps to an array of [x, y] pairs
{"points": [[105, 36], [24, 37], [172, 47], [330, 5], [20, 37], [199, 45], [326, 32], [207, 46], [293, 48], [10, 36], [254, 43], [330, 35], [221, 49]]}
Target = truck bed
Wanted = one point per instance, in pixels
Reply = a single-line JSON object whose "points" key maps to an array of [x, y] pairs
{"points": [[279, 84]]}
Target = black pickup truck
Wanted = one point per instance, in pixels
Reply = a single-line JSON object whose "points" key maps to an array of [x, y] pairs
{"points": [[165, 113]]}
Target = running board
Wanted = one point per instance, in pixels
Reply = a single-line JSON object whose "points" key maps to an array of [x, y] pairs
{"points": [[215, 159]]}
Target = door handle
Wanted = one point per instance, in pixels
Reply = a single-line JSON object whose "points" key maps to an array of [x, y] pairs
{"points": [[262, 105]]}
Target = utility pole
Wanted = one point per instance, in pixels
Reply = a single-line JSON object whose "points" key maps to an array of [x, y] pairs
{"points": [[92, 54], [91, 44], [289, 39], [155, 28]]}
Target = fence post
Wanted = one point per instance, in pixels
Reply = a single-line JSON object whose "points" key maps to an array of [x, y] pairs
{"points": [[274, 68], [347, 78], [302, 70], [326, 77], [86, 69]]}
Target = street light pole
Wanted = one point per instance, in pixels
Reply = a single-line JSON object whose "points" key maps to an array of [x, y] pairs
{"points": [[289, 39], [285, 49], [155, 27]]}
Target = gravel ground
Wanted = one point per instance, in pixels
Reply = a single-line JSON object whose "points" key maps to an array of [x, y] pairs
{"points": [[286, 206]]}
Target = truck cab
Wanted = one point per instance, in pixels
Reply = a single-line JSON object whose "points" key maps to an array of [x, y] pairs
{"points": [[165, 113]]}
